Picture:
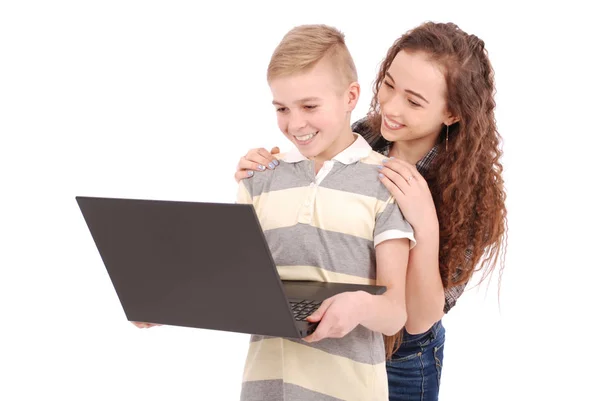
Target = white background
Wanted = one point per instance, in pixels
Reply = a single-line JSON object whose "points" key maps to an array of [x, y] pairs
{"points": [[158, 100]]}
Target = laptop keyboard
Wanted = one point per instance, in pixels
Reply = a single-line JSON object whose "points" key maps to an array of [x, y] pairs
{"points": [[303, 309]]}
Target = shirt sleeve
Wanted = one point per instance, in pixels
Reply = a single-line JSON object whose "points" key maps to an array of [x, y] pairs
{"points": [[390, 224]]}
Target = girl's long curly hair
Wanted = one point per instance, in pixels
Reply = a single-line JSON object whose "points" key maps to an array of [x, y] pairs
{"points": [[466, 178]]}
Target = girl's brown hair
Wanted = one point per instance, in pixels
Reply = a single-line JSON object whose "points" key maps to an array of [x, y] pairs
{"points": [[466, 178]]}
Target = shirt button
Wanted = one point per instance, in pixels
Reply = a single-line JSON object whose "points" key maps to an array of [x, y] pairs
{"points": [[312, 185]]}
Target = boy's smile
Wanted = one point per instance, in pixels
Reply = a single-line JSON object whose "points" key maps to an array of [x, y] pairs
{"points": [[305, 139]]}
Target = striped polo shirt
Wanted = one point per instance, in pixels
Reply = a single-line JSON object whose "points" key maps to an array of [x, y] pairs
{"points": [[322, 227]]}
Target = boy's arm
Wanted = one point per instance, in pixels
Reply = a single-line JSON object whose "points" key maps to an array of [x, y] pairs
{"points": [[393, 239], [385, 313]]}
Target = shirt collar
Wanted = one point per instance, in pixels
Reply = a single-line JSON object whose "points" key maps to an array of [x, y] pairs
{"points": [[359, 149]]}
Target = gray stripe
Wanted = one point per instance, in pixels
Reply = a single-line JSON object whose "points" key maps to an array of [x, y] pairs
{"points": [[305, 245], [277, 390], [391, 218], [359, 178], [285, 176], [360, 345]]}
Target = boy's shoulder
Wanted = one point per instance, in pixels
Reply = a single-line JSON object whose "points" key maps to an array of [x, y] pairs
{"points": [[283, 176], [373, 158]]}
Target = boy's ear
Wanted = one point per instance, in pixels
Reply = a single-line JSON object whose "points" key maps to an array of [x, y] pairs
{"points": [[353, 93]]}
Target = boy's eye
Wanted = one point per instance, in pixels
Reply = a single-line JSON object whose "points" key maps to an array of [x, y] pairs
{"points": [[281, 109], [310, 107]]}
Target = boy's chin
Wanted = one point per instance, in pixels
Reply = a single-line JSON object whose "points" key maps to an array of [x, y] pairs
{"points": [[312, 153]]}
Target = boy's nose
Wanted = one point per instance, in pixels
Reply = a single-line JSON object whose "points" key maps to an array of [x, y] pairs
{"points": [[296, 123]]}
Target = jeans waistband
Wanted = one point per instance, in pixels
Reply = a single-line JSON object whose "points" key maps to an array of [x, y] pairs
{"points": [[431, 334]]}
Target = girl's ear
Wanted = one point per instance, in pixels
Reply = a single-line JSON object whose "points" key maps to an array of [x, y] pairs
{"points": [[450, 119]]}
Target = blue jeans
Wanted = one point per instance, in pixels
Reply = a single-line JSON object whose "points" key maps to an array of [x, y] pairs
{"points": [[415, 369]]}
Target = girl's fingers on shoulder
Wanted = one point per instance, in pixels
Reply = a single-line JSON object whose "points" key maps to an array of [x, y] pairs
{"points": [[391, 187], [401, 164], [250, 165], [403, 168], [392, 164], [261, 158], [241, 175], [269, 158], [265, 153]]}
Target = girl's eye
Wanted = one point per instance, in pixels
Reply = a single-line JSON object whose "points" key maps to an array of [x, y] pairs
{"points": [[388, 84], [413, 103]]}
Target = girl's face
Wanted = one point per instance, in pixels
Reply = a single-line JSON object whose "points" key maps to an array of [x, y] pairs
{"points": [[412, 99]]}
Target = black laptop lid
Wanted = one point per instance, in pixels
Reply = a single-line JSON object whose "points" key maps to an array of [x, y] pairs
{"points": [[190, 264]]}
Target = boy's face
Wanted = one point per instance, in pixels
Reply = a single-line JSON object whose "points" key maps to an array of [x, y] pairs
{"points": [[313, 111]]}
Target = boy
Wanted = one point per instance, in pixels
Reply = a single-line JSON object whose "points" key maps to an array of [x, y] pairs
{"points": [[323, 223]]}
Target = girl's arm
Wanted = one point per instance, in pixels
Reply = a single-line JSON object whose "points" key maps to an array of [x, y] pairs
{"points": [[424, 289]]}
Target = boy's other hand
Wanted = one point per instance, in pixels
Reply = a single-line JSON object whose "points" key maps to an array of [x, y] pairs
{"points": [[258, 159], [143, 325], [338, 315]]}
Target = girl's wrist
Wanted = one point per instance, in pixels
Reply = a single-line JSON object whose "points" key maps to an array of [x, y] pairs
{"points": [[428, 227]]}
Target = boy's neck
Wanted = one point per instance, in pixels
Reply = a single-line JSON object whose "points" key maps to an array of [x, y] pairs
{"points": [[346, 139]]}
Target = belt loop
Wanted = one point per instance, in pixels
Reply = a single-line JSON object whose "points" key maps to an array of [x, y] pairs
{"points": [[434, 331]]}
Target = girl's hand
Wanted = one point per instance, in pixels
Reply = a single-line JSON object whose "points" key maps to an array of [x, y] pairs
{"points": [[410, 190], [256, 160], [338, 315]]}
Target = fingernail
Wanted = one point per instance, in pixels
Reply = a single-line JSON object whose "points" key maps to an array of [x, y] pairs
{"points": [[271, 166], [250, 173], [261, 167], [380, 175], [380, 167], [276, 162], [384, 160], [392, 157]]}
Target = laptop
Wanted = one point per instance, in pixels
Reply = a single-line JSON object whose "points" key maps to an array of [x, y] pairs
{"points": [[200, 265]]}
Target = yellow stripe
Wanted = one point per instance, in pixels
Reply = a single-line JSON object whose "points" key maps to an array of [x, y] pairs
{"points": [[263, 361], [327, 209], [278, 209], [312, 273], [243, 196], [373, 158], [347, 213], [316, 370]]}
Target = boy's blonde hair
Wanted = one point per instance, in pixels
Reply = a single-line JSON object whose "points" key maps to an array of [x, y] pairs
{"points": [[304, 46]]}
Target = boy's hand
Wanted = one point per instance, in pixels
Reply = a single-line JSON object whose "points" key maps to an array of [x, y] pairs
{"points": [[143, 325], [256, 160], [338, 315]]}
